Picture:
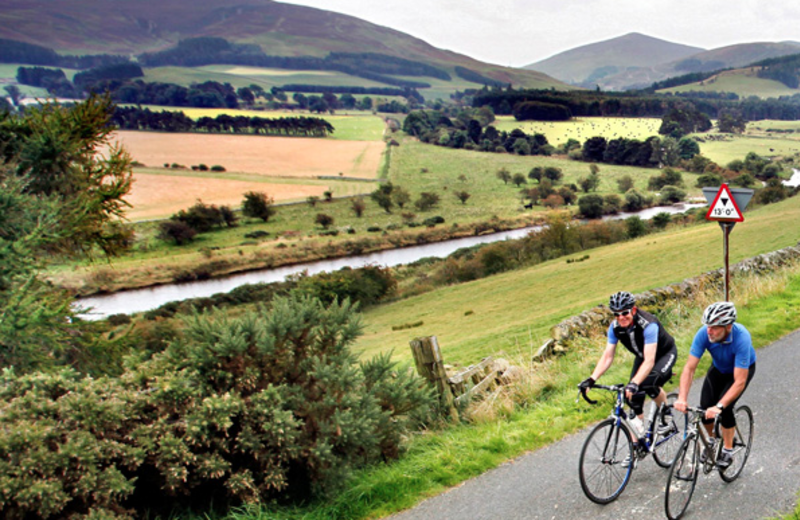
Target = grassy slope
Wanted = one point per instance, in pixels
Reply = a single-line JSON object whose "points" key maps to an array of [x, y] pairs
{"points": [[513, 312], [442, 459], [740, 81]]}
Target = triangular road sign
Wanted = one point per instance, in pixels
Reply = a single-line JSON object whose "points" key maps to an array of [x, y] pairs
{"points": [[724, 207]]}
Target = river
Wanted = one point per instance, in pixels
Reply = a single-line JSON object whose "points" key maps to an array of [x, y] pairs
{"points": [[139, 300]]}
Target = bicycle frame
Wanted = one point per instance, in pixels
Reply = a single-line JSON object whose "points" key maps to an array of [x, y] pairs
{"points": [[620, 414], [695, 426], [613, 447]]}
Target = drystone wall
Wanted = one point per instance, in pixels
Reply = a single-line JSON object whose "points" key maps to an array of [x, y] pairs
{"points": [[599, 317]]}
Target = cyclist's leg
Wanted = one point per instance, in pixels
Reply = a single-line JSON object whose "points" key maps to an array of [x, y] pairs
{"points": [[727, 418], [714, 387], [658, 377], [636, 402]]}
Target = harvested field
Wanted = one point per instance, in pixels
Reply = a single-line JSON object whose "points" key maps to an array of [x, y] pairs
{"points": [[268, 156], [159, 196]]}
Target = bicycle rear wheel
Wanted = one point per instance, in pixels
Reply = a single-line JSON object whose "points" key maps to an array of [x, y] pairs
{"points": [[602, 476], [742, 440], [682, 478], [666, 445]]}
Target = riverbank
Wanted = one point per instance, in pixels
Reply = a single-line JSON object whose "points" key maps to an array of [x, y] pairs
{"points": [[141, 271]]}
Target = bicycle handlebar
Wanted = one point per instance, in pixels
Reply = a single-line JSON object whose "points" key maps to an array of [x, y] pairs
{"points": [[611, 388]]}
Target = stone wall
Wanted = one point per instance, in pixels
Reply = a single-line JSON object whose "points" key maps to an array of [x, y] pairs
{"points": [[600, 316]]}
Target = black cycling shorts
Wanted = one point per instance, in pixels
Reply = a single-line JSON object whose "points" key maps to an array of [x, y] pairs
{"points": [[658, 376], [714, 387]]}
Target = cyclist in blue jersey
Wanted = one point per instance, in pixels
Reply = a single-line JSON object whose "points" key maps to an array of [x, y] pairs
{"points": [[733, 367], [653, 347]]}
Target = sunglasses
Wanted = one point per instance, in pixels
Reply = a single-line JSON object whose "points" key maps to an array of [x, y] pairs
{"points": [[623, 313]]}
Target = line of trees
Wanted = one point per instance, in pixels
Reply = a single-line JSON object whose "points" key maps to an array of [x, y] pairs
{"points": [[12, 51], [476, 77], [135, 118], [637, 104]]}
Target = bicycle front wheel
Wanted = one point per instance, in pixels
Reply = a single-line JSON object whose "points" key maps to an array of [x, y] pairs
{"points": [[602, 472], [682, 478], [666, 445], [742, 440]]}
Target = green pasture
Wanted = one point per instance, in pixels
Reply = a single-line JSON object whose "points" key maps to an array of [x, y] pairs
{"points": [[581, 129], [422, 167], [767, 125], [727, 147], [512, 313], [743, 85]]}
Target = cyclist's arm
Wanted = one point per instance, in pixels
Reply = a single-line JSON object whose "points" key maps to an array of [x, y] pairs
{"points": [[687, 376], [605, 361], [648, 363], [650, 349]]}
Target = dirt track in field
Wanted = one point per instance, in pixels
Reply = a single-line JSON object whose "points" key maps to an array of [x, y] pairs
{"points": [[269, 156]]}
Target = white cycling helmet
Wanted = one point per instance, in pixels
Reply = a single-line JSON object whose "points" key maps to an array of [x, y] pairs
{"points": [[719, 314]]}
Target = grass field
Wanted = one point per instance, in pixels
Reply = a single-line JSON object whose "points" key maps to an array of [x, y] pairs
{"points": [[742, 81], [511, 314], [737, 147], [581, 129]]}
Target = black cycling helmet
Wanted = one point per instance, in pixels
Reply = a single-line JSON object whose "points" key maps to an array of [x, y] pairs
{"points": [[719, 314], [621, 301]]}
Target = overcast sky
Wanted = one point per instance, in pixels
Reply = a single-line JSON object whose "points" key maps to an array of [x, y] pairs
{"points": [[520, 32]]}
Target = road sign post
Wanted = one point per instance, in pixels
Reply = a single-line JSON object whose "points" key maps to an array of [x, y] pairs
{"points": [[726, 206]]}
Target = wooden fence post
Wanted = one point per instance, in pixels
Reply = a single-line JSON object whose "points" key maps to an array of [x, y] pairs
{"points": [[428, 358]]}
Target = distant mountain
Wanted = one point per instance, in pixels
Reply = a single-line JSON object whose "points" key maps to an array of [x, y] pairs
{"points": [[131, 27], [637, 61], [590, 65]]}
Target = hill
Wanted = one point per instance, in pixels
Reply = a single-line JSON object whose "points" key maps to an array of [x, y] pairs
{"points": [[637, 61], [592, 64], [133, 28]]}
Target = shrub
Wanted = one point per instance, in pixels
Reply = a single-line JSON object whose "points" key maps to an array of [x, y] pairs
{"points": [[217, 168], [258, 205], [201, 217], [672, 194], [426, 201], [367, 285], [256, 234], [635, 201], [324, 220], [591, 206], [176, 231], [432, 221], [235, 410], [118, 319]]}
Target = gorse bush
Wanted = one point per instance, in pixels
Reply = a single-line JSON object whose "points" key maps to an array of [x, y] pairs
{"points": [[234, 411]]}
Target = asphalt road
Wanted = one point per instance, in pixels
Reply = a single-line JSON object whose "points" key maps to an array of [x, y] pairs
{"points": [[544, 484]]}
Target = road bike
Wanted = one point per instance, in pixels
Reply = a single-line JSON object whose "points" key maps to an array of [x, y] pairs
{"points": [[611, 451], [688, 463]]}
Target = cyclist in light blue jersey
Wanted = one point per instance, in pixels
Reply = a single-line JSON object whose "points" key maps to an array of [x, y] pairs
{"points": [[733, 367]]}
